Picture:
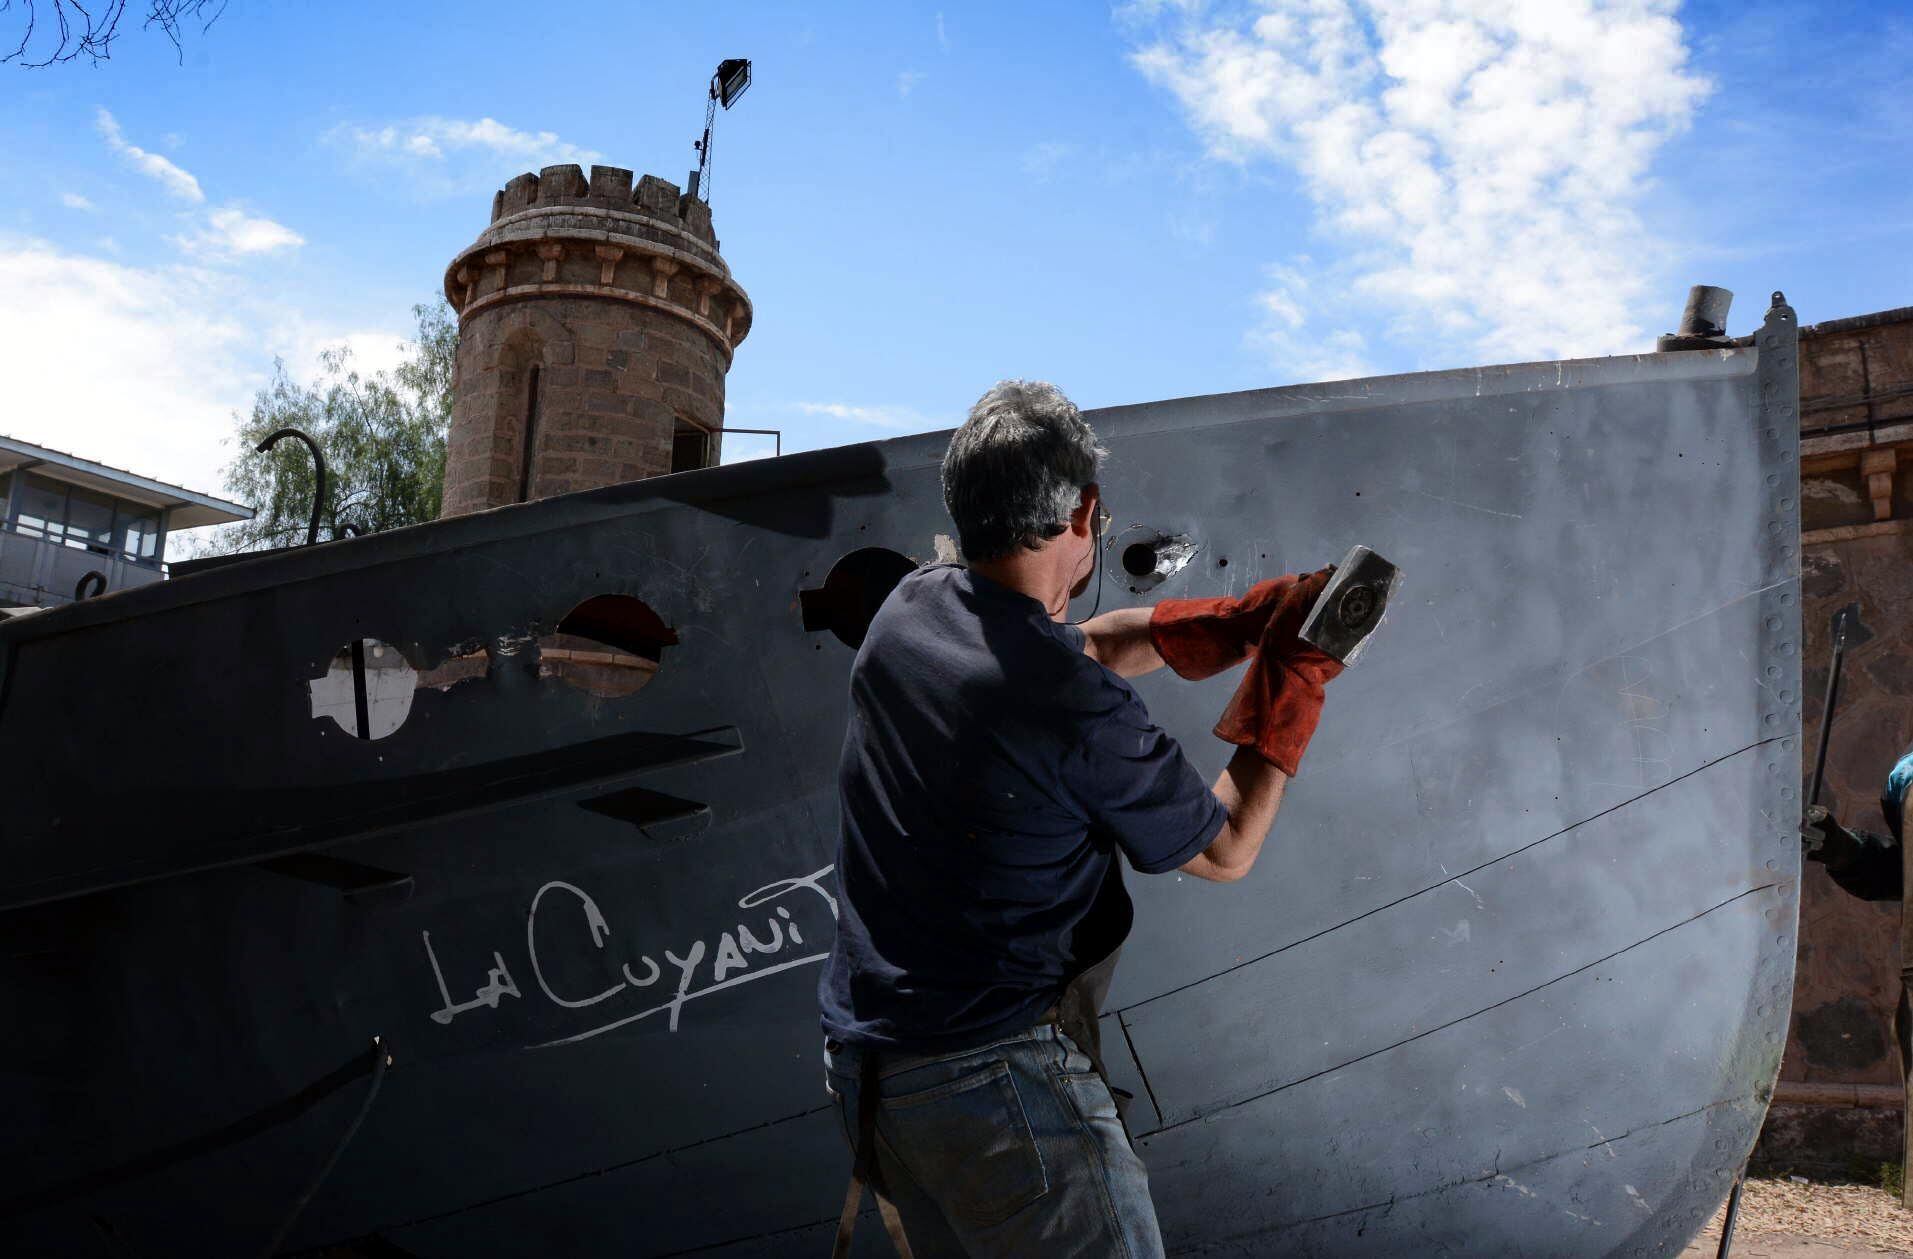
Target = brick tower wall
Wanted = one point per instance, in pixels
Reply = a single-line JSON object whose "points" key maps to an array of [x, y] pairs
{"points": [[596, 321]]}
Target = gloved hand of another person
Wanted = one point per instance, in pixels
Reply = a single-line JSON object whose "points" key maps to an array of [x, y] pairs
{"points": [[1277, 706], [1199, 638]]}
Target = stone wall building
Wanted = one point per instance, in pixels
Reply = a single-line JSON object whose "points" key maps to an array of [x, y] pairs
{"points": [[1839, 1101], [596, 324]]}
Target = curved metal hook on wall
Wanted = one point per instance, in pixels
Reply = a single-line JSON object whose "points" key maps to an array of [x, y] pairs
{"points": [[93, 578], [318, 467]]}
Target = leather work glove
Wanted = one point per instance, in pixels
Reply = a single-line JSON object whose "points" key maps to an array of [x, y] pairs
{"points": [[1277, 706], [1863, 864], [1199, 638]]}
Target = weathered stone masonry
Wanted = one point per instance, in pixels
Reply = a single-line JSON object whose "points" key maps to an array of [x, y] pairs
{"points": [[596, 323]]}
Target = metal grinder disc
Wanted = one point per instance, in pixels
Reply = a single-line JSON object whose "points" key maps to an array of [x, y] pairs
{"points": [[1353, 605]]}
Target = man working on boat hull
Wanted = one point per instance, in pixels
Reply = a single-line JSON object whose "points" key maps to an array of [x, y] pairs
{"points": [[995, 764]]}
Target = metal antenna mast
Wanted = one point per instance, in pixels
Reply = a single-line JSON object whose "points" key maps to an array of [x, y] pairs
{"points": [[732, 79]]}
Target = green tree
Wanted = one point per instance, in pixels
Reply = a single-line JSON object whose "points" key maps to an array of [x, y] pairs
{"points": [[383, 438]]}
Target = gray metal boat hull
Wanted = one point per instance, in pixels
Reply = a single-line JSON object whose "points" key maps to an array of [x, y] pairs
{"points": [[1512, 976]]}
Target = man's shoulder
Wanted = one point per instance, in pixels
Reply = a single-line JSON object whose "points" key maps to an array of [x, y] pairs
{"points": [[1091, 691], [923, 594], [936, 573], [929, 584], [943, 609]]}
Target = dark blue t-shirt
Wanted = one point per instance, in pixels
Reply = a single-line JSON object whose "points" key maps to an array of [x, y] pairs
{"points": [[990, 772]]}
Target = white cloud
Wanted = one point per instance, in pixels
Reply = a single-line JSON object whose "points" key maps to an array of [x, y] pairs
{"points": [[175, 180], [943, 37], [225, 234], [1281, 332], [908, 80], [1479, 157], [230, 233], [143, 367], [136, 367], [431, 140], [882, 417], [367, 352]]}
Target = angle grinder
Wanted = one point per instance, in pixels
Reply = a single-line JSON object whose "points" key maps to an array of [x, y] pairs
{"points": [[1351, 608]]}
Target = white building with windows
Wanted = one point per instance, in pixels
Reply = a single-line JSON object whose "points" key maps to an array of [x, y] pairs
{"points": [[68, 523]]}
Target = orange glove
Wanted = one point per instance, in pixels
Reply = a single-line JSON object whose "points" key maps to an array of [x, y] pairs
{"points": [[1199, 638], [1277, 706]]}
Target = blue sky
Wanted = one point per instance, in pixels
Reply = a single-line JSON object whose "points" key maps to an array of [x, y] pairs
{"points": [[1137, 202]]}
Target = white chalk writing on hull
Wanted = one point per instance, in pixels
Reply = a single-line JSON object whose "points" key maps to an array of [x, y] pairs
{"points": [[730, 957], [498, 984]]}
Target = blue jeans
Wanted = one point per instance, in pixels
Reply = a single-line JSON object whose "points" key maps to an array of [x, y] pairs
{"points": [[1013, 1148]]}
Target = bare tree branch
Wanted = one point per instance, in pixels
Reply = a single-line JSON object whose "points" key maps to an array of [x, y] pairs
{"points": [[168, 14], [89, 29]]}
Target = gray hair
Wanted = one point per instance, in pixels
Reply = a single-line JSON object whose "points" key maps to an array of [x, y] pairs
{"points": [[1016, 468]]}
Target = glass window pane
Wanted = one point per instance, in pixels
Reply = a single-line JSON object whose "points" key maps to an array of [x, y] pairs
{"points": [[41, 507], [89, 519], [136, 531]]}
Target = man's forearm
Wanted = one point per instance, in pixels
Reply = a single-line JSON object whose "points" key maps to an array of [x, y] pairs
{"points": [[1119, 641], [1251, 789]]}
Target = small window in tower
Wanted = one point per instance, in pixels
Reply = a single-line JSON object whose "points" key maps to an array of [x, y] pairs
{"points": [[690, 447]]}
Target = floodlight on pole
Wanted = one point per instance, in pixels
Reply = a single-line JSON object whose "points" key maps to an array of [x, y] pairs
{"points": [[732, 80]]}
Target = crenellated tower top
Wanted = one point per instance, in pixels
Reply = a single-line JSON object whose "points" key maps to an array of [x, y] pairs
{"points": [[596, 324], [558, 234]]}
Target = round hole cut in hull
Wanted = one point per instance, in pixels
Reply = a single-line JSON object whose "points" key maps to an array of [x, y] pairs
{"points": [[852, 591], [1511, 976], [366, 689], [1140, 558]]}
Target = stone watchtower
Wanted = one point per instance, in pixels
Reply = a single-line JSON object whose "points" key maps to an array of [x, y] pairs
{"points": [[595, 328]]}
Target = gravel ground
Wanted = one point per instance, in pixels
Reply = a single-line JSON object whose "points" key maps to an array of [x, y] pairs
{"points": [[1782, 1219]]}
